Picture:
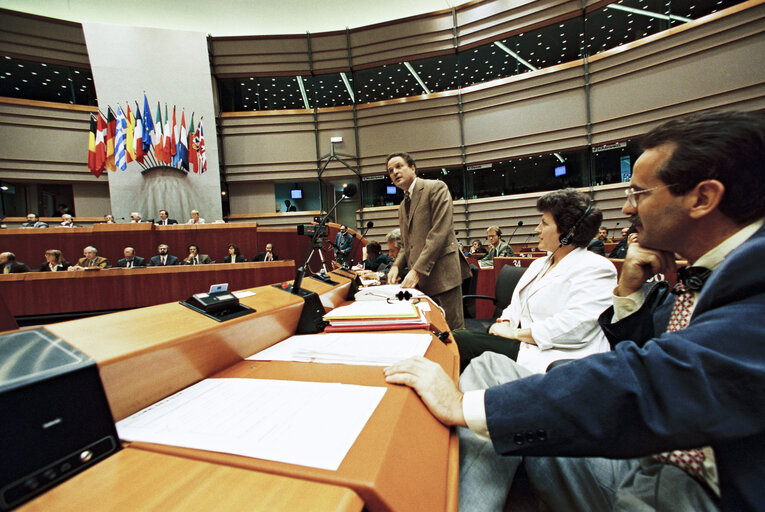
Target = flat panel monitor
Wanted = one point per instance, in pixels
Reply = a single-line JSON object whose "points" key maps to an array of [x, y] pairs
{"points": [[560, 171], [296, 193], [391, 190]]}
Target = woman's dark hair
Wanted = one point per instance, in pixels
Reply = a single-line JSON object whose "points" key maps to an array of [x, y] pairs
{"points": [[373, 248], [566, 207], [236, 249], [725, 146]]}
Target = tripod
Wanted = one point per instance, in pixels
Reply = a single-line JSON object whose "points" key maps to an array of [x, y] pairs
{"points": [[324, 266]]}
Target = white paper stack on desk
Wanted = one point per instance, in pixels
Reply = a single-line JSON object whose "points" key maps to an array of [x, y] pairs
{"points": [[376, 316]]}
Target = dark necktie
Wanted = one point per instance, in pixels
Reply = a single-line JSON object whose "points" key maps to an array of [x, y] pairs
{"points": [[407, 203]]}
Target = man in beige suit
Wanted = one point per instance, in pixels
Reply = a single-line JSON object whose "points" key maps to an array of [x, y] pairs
{"points": [[430, 249]]}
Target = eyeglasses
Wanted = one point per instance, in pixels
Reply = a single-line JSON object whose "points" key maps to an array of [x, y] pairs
{"points": [[631, 193]]}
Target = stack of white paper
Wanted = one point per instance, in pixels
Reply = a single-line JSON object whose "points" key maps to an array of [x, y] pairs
{"points": [[306, 423], [369, 348]]}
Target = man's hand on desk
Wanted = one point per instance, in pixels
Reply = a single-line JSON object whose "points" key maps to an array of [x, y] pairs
{"points": [[411, 279], [434, 386], [392, 274]]}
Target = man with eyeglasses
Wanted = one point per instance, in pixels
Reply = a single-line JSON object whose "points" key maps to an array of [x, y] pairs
{"points": [[677, 406], [499, 248]]}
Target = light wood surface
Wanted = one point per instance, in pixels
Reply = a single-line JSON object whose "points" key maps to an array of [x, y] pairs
{"points": [[403, 460], [133, 480]]}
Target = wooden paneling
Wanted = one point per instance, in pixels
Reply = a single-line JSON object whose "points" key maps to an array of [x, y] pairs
{"points": [[715, 62], [44, 141], [42, 39]]}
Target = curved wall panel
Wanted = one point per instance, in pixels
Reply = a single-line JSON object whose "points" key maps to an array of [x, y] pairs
{"points": [[42, 39]]}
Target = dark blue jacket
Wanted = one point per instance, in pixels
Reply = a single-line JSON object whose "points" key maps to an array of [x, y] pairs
{"points": [[658, 391]]}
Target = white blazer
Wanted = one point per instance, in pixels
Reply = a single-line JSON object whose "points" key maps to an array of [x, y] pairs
{"points": [[562, 308]]}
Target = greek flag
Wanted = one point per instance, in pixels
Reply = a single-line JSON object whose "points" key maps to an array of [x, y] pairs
{"points": [[120, 155]]}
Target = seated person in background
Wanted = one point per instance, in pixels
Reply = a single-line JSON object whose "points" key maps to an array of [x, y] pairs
{"points": [[375, 258], [267, 255], [9, 265], [343, 245], [194, 258], [54, 262], [555, 306], [62, 209], [90, 260], [109, 218], [499, 249], [34, 222], [477, 250], [163, 259], [393, 241], [234, 256], [67, 221], [195, 218], [135, 217], [164, 219], [598, 244], [131, 260], [620, 251], [289, 207]]}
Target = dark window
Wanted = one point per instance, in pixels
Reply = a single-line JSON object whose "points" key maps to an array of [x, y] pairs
{"points": [[46, 82]]}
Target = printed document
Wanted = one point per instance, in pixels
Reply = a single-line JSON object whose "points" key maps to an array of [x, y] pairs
{"points": [[305, 423]]}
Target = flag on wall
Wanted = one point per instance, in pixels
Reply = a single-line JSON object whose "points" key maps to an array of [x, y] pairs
{"points": [[129, 142], [111, 125], [167, 155], [120, 151], [174, 141], [138, 135], [92, 147], [100, 143], [183, 140], [193, 164], [148, 126], [201, 148], [157, 138]]}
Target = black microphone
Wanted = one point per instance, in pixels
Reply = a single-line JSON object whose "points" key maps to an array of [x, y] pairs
{"points": [[520, 223], [370, 225], [615, 229], [349, 190]]}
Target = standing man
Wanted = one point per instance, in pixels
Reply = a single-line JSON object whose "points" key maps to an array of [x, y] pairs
{"points": [[343, 246], [499, 249], [430, 249], [676, 407]]}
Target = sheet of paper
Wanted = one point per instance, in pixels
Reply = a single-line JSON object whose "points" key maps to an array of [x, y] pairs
{"points": [[243, 294], [306, 423], [367, 348], [374, 310]]}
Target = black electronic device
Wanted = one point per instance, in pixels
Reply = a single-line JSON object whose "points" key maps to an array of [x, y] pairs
{"points": [[56, 419], [220, 306]]}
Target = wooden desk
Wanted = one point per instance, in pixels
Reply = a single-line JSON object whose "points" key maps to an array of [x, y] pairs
{"points": [[139, 480], [404, 458], [47, 293]]}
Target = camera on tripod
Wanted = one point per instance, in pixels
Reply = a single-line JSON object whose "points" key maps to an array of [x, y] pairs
{"points": [[320, 231]]}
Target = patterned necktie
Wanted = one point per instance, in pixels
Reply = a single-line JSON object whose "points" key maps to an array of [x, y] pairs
{"points": [[407, 203], [691, 461]]}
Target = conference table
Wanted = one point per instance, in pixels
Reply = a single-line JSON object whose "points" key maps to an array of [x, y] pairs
{"points": [[404, 459], [36, 294]]}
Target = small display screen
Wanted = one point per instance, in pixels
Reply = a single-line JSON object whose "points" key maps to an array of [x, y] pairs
{"points": [[560, 171], [391, 190], [296, 193]]}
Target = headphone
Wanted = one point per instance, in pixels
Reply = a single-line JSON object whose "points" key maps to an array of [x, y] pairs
{"points": [[568, 238]]}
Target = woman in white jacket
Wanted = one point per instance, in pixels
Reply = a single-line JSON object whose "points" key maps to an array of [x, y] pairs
{"points": [[554, 310]]}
